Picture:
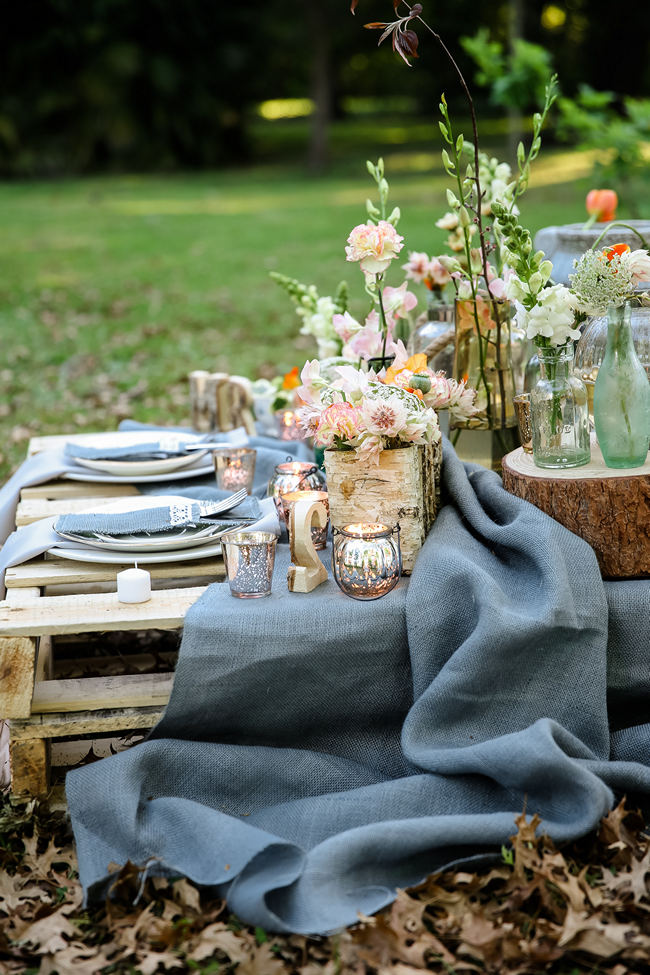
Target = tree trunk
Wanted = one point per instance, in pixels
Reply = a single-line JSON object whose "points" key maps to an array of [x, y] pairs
{"points": [[610, 509], [321, 84]]}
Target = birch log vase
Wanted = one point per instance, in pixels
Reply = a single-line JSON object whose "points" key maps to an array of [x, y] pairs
{"points": [[404, 489]]}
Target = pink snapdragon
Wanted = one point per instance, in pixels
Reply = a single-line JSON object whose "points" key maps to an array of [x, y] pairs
{"points": [[398, 301], [312, 382], [368, 342], [373, 246], [345, 326]]}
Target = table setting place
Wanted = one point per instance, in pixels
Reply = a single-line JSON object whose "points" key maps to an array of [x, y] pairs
{"points": [[220, 490]]}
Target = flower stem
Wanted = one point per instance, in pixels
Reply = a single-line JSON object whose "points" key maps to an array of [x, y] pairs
{"points": [[619, 223], [481, 231], [382, 314]]}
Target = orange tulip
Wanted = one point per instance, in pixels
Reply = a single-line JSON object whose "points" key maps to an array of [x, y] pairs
{"points": [[601, 204], [616, 250], [291, 379]]}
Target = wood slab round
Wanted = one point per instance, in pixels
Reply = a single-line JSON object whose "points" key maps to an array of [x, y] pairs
{"points": [[609, 508]]}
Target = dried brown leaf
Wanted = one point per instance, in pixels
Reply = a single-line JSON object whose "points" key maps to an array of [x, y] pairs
{"points": [[14, 892], [261, 961], [48, 934], [218, 937], [76, 959], [600, 937]]}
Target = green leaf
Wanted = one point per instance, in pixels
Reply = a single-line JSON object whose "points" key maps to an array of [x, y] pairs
{"points": [[261, 936]]}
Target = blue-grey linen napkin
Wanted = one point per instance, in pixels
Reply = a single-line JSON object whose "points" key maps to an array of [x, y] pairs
{"points": [[167, 445], [152, 521], [318, 752]]}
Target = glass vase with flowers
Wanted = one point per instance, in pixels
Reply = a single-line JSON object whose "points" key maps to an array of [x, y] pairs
{"points": [[484, 317], [608, 281], [548, 312]]}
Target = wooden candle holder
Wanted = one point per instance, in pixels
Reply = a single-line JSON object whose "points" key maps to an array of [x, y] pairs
{"points": [[307, 571]]}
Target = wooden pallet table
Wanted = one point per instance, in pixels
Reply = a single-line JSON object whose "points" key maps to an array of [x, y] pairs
{"points": [[56, 604]]}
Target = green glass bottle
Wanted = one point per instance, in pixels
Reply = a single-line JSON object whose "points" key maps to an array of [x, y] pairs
{"points": [[622, 396]]}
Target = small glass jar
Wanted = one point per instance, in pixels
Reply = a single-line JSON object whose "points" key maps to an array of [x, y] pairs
{"points": [[366, 559], [483, 358], [559, 412], [294, 475], [287, 426], [249, 558], [235, 468]]}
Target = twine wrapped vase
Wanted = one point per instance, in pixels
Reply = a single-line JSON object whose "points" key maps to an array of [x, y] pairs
{"points": [[404, 489]]}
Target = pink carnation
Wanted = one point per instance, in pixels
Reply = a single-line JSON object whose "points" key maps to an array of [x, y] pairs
{"points": [[417, 266], [438, 275], [373, 246], [339, 420]]}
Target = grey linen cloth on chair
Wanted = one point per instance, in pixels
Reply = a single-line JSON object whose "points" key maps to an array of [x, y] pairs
{"points": [[317, 752]]}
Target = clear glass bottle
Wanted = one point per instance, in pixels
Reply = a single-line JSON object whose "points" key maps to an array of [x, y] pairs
{"points": [[483, 358], [434, 335], [559, 414], [622, 396]]}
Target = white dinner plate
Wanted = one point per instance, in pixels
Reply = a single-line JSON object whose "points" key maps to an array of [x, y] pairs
{"points": [[137, 544], [121, 469], [86, 554], [140, 468], [98, 478]]}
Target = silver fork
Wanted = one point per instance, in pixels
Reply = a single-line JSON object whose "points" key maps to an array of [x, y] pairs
{"points": [[209, 508]]}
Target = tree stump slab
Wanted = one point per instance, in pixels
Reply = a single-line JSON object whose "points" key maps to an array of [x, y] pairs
{"points": [[609, 508]]}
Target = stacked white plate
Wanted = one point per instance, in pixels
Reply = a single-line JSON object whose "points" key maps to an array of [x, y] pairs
{"points": [[138, 471], [183, 544]]}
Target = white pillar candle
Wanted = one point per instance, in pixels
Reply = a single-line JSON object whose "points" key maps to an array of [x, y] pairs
{"points": [[133, 586]]}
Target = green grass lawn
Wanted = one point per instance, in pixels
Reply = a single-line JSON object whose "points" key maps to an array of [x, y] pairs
{"points": [[113, 288]]}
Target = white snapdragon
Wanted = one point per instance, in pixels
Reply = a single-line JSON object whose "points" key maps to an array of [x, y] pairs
{"points": [[552, 317], [318, 320]]}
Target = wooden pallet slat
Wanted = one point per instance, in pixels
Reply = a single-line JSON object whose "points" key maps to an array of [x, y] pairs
{"points": [[51, 606], [54, 572], [92, 613], [96, 693], [62, 724]]}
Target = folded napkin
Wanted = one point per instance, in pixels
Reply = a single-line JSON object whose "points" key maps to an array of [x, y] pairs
{"points": [[166, 445], [182, 513]]}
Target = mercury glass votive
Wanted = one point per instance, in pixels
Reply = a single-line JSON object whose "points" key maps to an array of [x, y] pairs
{"points": [[294, 475], [287, 427], [249, 558], [235, 468], [318, 535], [366, 559]]}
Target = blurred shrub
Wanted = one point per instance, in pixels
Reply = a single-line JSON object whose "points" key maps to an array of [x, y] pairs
{"points": [[146, 84], [619, 129], [517, 78]]}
